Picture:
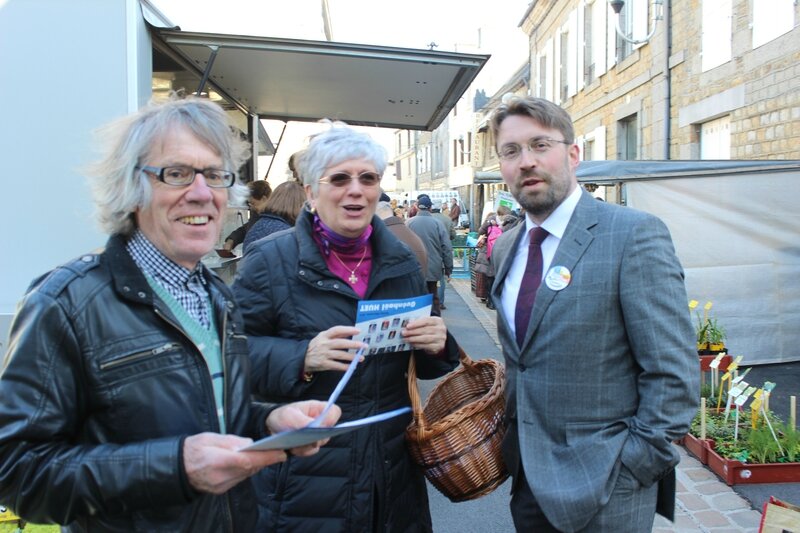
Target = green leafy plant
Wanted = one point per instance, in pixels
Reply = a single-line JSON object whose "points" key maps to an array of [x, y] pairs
{"points": [[714, 332], [705, 390], [749, 445], [790, 440], [762, 446]]}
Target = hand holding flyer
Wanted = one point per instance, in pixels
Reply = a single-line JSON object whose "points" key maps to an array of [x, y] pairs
{"points": [[381, 321]]}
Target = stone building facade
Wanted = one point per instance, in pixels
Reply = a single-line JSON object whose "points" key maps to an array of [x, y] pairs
{"points": [[715, 80], [708, 79]]}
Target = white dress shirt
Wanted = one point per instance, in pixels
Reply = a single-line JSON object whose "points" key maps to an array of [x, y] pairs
{"points": [[556, 225]]}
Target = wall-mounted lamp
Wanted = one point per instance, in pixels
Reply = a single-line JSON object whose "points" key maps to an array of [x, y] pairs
{"points": [[617, 5]]}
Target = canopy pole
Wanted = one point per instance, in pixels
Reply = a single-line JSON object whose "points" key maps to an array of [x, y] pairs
{"points": [[207, 72]]}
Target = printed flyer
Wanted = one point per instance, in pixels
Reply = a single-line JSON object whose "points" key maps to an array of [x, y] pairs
{"points": [[381, 321]]}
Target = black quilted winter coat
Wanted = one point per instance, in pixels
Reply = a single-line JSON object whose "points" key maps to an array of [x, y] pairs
{"points": [[365, 480]]}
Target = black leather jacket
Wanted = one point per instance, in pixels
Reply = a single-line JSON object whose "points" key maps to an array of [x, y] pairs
{"points": [[99, 389]]}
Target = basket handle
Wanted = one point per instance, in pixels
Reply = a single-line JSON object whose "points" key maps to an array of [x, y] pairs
{"points": [[413, 388]]}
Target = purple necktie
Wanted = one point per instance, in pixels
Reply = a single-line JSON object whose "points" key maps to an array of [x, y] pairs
{"points": [[531, 280]]}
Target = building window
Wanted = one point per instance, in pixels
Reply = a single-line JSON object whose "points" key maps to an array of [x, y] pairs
{"points": [[455, 152], [624, 48], [716, 39], [628, 138], [588, 149], [564, 66], [469, 147], [771, 20], [715, 139], [588, 50], [543, 76]]}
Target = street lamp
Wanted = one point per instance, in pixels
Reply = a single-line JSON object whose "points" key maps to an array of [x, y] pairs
{"points": [[617, 5]]}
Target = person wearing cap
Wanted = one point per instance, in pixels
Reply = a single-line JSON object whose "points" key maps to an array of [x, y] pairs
{"points": [[437, 244], [451, 233], [397, 226]]}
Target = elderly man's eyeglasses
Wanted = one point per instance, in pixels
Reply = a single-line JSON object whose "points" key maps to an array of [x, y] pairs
{"points": [[537, 145], [343, 179], [182, 176]]}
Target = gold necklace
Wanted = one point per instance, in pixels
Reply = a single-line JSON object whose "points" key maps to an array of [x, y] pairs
{"points": [[353, 278]]}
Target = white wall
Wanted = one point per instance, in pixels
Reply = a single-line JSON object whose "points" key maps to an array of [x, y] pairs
{"points": [[67, 68]]}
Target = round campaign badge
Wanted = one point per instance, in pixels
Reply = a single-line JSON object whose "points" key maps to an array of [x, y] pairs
{"points": [[558, 278]]}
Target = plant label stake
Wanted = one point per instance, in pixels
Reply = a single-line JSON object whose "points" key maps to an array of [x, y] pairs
{"points": [[702, 419], [733, 394], [714, 366], [755, 408], [769, 424]]}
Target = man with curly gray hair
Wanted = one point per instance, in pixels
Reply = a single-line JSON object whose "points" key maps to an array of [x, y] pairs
{"points": [[125, 391]]}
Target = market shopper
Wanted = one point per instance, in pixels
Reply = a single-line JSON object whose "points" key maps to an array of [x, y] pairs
{"points": [[260, 192], [279, 213], [437, 244], [597, 339], [299, 291], [124, 395]]}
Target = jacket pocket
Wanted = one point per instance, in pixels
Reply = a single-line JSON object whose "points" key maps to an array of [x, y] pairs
{"points": [[131, 358]]}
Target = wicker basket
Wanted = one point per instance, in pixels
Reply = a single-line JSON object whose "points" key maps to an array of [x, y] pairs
{"points": [[456, 436]]}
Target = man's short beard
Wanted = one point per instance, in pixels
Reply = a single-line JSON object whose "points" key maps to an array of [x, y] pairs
{"points": [[539, 206]]}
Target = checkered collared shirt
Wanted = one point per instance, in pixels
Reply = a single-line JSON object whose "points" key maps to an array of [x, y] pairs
{"points": [[188, 287]]}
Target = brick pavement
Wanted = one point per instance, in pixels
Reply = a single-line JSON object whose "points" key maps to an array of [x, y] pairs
{"points": [[704, 503]]}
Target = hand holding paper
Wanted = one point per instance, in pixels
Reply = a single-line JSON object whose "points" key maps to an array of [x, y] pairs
{"points": [[330, 349], [427, 333], [308, 439], [302, 414]]}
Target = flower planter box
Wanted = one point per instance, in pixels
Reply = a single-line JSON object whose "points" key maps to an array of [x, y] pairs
{"points": [[698, 447], [734, 472]]}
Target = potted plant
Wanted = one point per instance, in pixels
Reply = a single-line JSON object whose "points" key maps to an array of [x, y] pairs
{"points": [[710, 337], [741, 453], [709, 332]]}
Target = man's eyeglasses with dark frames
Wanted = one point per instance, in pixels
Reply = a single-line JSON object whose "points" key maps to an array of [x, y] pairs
{"points": [[181, 176], [537, 145], [343, 179]]}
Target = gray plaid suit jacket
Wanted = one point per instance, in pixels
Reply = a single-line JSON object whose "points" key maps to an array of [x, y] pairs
{"points": [[608, 372]]}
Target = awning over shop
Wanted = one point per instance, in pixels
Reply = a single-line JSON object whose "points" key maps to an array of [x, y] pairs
{"points": [[292, 79], [617, 171]]}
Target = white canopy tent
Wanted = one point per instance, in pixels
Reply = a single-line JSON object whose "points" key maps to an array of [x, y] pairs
{"points": [[736, 230]]}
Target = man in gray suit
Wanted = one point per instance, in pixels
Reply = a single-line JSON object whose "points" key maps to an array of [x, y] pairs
{"points": [[601, 364]]}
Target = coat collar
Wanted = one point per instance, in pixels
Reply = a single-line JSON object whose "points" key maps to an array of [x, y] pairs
{"points": [[390, 258]]}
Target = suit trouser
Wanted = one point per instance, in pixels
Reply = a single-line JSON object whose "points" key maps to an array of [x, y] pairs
{"points": [[631, 508]]}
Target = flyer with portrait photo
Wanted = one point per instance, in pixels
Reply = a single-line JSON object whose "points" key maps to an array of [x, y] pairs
{"points": [[381, 321]]}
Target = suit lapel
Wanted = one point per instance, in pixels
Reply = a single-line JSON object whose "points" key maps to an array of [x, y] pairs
{"points": [[574, 243]]}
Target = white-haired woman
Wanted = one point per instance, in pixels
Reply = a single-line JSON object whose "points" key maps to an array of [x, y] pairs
{"points": [[299, 292]]}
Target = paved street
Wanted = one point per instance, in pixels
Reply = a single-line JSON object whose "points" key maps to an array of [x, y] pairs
{"points": [[704, 502]]}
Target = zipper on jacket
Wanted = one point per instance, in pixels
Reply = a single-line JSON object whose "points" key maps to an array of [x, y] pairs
{"points": [[138, 355], [226, 502]]}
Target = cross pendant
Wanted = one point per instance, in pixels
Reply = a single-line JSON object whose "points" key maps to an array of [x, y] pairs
{"points": [[353, 279]]}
